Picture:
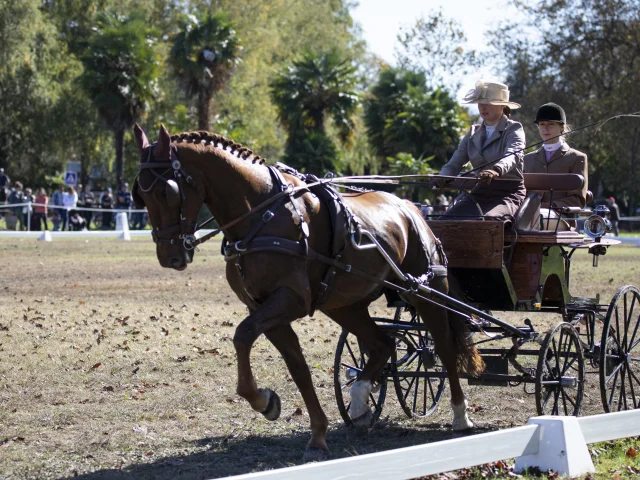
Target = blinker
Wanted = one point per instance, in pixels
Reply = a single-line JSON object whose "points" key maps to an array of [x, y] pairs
{"points": [[173, 193]]}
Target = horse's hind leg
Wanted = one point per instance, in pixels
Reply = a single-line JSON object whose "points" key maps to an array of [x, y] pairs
{"points": [[281, 308], [286, 341], [379, 346]]}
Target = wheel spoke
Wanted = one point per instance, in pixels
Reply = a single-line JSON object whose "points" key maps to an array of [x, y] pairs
{"points": [[564, 401], [622, 398], [353, 367], [571, 401], [546, 399], [353, 357], [348, 384], [433, 396], [556, 395], [555, 351], [635, 330], [566, 350], [613, 387], [630, 376], [615, 372], [417, 386]]}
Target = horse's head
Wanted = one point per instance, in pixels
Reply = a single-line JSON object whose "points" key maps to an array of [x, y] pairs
{"points": [[172, 197]]}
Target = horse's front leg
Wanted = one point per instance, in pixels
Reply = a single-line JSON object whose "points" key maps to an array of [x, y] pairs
{"points": [[286, 341], [280, 308]]}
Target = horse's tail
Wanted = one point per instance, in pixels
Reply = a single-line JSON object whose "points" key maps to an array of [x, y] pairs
{"points": [[469, 360]]}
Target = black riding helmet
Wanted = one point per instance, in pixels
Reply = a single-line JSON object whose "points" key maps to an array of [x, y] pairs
{"points": [[551, 112]]}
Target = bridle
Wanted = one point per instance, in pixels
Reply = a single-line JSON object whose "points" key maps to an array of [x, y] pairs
{"points": [[183, 230]]}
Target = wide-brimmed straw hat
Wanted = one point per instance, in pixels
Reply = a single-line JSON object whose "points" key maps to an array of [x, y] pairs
{"points": [[491, 93]]}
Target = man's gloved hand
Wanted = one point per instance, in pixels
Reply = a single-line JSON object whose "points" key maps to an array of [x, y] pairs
{"points": [[486, 176]]}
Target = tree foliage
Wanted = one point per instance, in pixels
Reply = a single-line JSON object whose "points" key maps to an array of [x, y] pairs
{"points": [[307, 94], [585, 56], [120, 75], [403, 116], [435, 45], [203, 54]]}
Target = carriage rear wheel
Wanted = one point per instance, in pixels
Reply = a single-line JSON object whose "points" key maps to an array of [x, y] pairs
{"points": [[413, 360], [349, 362], [560, 372], [620, 352]]}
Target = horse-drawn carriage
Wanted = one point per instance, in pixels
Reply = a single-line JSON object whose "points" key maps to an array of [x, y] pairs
{"points": [[293, 246], [521, 264]]}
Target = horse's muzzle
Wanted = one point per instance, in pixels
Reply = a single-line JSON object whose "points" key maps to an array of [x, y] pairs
{"points": [[178, 260]]}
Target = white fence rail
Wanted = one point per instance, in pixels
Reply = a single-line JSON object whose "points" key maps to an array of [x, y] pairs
{"points": [[559, 443]]}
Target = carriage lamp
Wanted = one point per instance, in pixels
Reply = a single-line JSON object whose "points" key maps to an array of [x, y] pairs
{"points": [[597, 224]]}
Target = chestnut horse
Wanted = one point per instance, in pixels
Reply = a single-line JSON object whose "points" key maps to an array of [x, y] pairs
{"points": [[181, 173]]}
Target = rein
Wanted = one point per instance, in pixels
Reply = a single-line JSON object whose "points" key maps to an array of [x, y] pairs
{"points": [[290, 190], [397, 179]]}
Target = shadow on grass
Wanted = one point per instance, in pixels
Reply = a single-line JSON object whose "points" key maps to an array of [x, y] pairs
{"points": [[223, 456]]}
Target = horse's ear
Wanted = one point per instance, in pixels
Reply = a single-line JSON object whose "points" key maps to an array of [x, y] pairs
{"points": [[163, 146], [135, 195], [141, 138]]}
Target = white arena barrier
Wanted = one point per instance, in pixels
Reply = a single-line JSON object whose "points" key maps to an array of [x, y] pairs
{"points": [[547, 442]]}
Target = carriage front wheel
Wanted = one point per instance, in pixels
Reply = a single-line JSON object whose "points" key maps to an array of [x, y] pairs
{"points": [[620, 352], [418, 373], [349, 362], [560, 372]]}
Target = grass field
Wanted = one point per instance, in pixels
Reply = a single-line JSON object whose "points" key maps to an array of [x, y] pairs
{"points": [[112, 367]]}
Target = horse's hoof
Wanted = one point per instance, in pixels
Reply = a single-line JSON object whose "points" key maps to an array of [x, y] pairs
{"points": [[462, 424], [363, 422], [315, 454], [272, 412]]}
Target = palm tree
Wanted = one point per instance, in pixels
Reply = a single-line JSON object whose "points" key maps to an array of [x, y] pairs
{"points": [[308, 92], [203, 54], [120, 73]]}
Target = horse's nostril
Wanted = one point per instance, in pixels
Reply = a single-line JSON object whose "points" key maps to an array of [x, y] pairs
{"points": [[175, 262]]}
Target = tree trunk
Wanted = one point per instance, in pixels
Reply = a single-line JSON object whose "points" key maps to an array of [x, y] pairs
{"points": [[204, 107], [119, 143]]}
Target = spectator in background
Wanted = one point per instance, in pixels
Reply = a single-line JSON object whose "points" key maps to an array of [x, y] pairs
{"points": [[5, 181], [86, 199], [426, 209], [27, 210], [56, 201], [17, 197], [106, 203], [69, 201], [40, 211], [77, 222], [614, 215], [124, 199]]}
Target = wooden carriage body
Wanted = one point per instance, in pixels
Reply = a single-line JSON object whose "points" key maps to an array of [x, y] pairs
{"points": [[502, 266]]}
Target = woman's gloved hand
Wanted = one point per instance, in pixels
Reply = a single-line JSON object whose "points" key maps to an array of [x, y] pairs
{"points": [[486, 176], [440, 182]]}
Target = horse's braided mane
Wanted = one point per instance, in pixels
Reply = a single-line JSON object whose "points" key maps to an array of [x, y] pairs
{"points": [[234, 148]]}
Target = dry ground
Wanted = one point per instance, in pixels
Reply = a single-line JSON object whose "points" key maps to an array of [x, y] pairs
{"points": [[112, 367]]}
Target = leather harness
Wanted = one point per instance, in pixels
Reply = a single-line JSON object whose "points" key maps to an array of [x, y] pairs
{"points": [[343, 225]]}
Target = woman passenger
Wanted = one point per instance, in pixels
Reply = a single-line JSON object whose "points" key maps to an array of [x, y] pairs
{"points": [[555, 156], [496, 147]]}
